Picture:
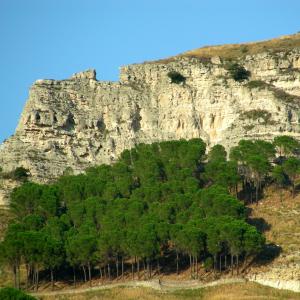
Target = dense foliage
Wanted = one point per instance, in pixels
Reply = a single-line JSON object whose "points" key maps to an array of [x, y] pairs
{"points": [[161, 204], [13, 294]]}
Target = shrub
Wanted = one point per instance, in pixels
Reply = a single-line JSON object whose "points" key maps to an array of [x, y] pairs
{"points": [[238, 72], [244, 49], [248, 127], [176, 77], [13, 294], [20, 174], [257, 84], [256, 114]]}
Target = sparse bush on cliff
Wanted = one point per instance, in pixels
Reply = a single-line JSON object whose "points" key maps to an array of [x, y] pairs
{"points": [[238, 72], [19, 174], [176, 77], [257, 84], [258, 114]]}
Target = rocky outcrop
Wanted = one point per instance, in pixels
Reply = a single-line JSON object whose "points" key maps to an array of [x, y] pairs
{"points": [[292, 285], [81, 122]]}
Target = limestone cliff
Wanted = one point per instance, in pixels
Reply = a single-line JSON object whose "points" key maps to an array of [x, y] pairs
{"points": [[81, 122]]}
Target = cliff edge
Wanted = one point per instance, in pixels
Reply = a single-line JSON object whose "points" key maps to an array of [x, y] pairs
{"points": [[79, 122]]}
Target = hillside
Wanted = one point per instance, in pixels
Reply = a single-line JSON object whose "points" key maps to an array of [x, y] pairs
{"points": [[187, 169], [234, 51], [240, 291], [280, 221], [240, 51]]}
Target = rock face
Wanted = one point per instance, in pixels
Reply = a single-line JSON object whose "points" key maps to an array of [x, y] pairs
{"points": [[81, 122]]}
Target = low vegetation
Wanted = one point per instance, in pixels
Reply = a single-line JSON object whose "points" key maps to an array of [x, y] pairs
{"points": [[13, 294], [164, 206], [19, 174], [231, 291], [176, 77], [257, 114], [234, 51], [237, 72], [257, 84], [277, 92]]}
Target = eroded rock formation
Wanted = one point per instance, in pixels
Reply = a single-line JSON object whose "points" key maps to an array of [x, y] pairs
{"points": [[81, 122]]}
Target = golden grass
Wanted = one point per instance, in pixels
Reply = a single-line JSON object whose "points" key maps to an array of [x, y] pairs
{"points": [[233, 291], [283, 218], [233, 51]]}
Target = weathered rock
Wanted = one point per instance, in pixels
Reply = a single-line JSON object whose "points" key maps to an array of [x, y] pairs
{"points": [[81, 122]]}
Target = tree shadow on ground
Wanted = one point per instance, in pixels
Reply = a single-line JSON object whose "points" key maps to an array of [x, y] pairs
{"points": [[268, 254], [260, 224]]}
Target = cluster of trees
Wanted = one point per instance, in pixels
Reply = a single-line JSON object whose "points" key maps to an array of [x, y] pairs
{"points": [[159, 201]]}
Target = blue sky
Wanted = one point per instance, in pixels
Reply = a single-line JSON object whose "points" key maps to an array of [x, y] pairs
{"points": [[56, 38]]}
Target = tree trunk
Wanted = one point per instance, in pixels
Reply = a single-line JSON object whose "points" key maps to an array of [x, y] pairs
{"points": [[144, 268], [15, 276], [52, 281], [237, 264], [194, 267], [101, 275], [18, 277], [191, 266], [90, 274], [293, 188], [132, 271], [197, 272], [177, 263], [37, 279], [27, 276], [108, 270], [122, 267], [225, 261], [74, 277], [148, 269], [215, 262], [117, 267], [138, 268], [250, 191], [158, 266], [84, 273], [256, 192], [231, 264], [220, 263]]}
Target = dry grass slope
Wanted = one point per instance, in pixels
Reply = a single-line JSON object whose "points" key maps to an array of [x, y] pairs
{"points": [[283, 219], [228, 292], [234, 51]]}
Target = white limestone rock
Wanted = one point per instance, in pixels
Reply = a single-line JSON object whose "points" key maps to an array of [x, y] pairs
{"points": [[80, 122]]}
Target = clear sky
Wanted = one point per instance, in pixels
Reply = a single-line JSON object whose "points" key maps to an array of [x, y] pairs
{"points": [[56, 38]]}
